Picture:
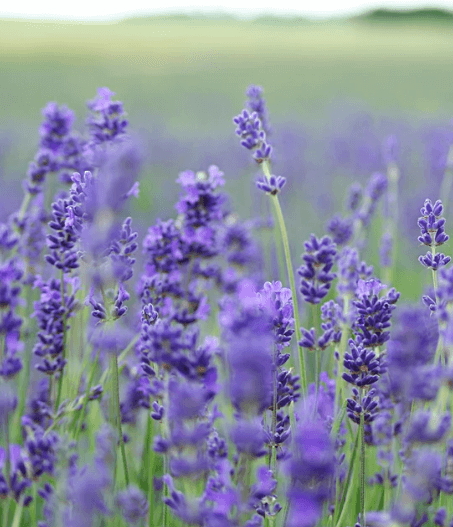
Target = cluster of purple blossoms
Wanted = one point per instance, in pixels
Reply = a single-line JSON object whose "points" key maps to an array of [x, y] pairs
{"points": [[11, 273], [183, 381], [310, 470], [52, 312], [376, 187], [253, 127], [361, 207], [432, 234], [340, 229], [253, 137], [256, 103], [60, 149], [277, 301], [316, 272], [373, 313], [332, 321], [107, 121], [363, 365], [350, 271], [272, 185]]}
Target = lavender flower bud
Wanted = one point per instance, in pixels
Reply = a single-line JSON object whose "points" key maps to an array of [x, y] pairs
{"points": [[272, 186]]}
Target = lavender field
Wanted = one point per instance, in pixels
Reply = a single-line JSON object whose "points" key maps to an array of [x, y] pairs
{"points": [[226, 283]]}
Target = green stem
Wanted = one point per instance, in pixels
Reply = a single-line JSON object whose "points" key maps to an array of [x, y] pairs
{"points": [[272, 456], [341, 351], [5, 512], [116, 397], [338, 420], [292, 283], [347, 487], [18, 513], [121, 357], [150, 466], [362, 463], [87, 395]]}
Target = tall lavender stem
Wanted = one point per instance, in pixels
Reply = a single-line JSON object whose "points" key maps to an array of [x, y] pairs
{"points": [[116, 396], [289, 267]]}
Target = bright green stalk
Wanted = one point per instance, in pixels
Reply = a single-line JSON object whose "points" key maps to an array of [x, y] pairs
{"points": [[362, 463], [292, 283], [116, 397], [18, 513], [87, 395], [149, 453], [341, 351], [338, 420], [347, 487], [272, 453]]}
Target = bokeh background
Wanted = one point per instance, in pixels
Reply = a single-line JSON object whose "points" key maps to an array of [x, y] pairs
{"points": [[335, 88]]}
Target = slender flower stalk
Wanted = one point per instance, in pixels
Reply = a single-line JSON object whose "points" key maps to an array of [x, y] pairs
{"points": [[292, 283], [116, 397], [362, 463]]}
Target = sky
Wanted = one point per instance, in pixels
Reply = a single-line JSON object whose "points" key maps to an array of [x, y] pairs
{"points": [[89, 10]]}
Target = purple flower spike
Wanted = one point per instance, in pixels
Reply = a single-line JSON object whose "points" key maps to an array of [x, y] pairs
{"points": [[316, 272], [432, 234], [439, 260], [374, 313], [253, 137], [376, 187], [363, 365], [341, 229], [354, 197], [248, 129], [133, 504], [272, 186], [310, 470], [107, 120], [262, 153], [256, 103]]}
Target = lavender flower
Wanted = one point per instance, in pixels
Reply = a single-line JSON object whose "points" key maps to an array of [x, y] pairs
{"points": [[107, 121], [52, 312], [11, 272], [272, 185], [374, 313], [363, 365], [256, 103], [432, 234], [385, 249], [354, 197], [133, 504], [253, 137], [310, 470], [351, 270], [316, 272], [376, 187], [341, 229]]}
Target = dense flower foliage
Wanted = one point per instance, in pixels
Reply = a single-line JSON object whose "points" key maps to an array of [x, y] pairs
{"points": [[175, 384]]}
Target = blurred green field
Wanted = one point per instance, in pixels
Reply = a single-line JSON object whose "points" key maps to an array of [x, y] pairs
{"points": [[189, 75], [193, 71]]}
